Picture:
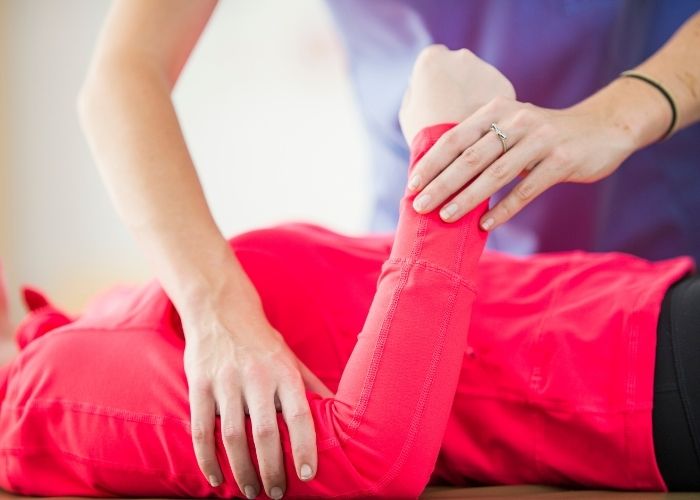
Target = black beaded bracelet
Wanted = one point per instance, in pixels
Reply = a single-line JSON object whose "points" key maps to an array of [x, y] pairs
{"points": [[666, 94]]}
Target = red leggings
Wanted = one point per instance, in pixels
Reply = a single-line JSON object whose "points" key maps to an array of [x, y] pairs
{"points": [[550, 381]]}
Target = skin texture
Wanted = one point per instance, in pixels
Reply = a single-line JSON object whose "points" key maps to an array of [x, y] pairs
{"points": [[583, 143], [235, 361]]}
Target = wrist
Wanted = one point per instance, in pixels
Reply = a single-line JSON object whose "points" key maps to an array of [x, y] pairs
{"points": [[230, 293], [634, 113], [213, 286]]}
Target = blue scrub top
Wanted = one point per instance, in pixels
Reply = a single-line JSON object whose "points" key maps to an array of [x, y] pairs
{"points": [[556, 53]]}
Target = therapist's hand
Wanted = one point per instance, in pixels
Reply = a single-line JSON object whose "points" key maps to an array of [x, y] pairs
{"points": [[236, 363], [583, 143]]}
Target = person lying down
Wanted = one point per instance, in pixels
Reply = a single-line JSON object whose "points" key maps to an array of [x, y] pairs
{"points": [[447, 365]]}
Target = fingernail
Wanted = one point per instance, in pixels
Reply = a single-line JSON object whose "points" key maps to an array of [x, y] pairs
{"points": [[487, 224], [421, 202], [276, 492], [306, 471], [214, 481], [414, 182], [249, 491], [448, 211]]}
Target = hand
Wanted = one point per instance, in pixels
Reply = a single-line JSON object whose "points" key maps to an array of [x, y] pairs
{"points": [[238, 364], [448, 86], [579, 144]]}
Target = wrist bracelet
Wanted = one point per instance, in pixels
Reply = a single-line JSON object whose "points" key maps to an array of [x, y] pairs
{"points": [[666, 94]]}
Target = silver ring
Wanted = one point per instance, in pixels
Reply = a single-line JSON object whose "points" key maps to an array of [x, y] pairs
{"points": [[501, 135]]}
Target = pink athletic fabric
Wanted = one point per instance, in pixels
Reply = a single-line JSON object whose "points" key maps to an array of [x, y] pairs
{"points": [[551, 382]]}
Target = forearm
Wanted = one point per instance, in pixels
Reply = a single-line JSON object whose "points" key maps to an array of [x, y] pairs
{"points": [[133, 131], [639, 111], [399, 383], [677, 66]]}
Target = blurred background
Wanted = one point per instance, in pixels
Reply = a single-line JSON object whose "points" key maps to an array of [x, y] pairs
{"points": [[269, 118]]}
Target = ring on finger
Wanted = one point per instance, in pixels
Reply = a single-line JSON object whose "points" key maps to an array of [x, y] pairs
{"points": [[501, 135]]}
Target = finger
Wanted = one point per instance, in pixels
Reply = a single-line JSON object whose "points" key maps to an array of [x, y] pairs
{"points": [[302, 434], [263, 416], [313, 383], [453, 142], [540, 178], [202, 408], [233, 433], [498, 174], [464, 168]]}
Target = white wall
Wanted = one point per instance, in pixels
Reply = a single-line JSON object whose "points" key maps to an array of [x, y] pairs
{"points": [[266, 108]]}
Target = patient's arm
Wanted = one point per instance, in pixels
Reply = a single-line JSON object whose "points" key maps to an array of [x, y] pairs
{"points": [[392, 405], [381, 433]]}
